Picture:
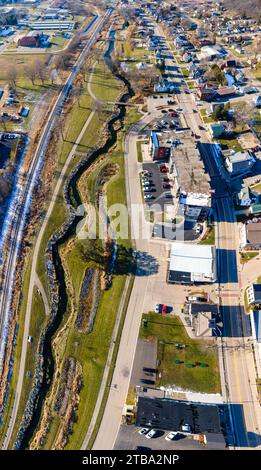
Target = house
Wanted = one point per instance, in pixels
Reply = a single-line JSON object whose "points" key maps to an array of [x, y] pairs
{"points": [[251, 237], [239, 162], [225, 92], [243, 198], [254, 295], [216, 129], [203, 317], [206, 94]]}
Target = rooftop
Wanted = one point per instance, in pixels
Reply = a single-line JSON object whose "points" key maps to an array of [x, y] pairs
{"points": [[253, 233], [192, 263], [188, 166], [170, 415]]}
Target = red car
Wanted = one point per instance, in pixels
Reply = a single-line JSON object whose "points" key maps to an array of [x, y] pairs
{"points": [[164, 309], [164, 169]]}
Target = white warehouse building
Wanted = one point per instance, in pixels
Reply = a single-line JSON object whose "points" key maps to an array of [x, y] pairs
{"points": [[191, 264]]}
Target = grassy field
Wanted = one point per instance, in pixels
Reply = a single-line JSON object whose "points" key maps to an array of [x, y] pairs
{"points": [[245, 257], [169, 331]]}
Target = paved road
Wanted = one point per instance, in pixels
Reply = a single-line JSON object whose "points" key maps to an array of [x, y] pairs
{"points": [[39, 151]]}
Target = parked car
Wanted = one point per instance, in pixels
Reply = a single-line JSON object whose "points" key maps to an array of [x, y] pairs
{"points": [[151, 434], [164, 309], [166, 186], [148, 196], [143, 431], [158, 308], [171, 436], [164, 169]]}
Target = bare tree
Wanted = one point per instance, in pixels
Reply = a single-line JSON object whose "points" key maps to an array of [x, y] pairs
{"points": [[40, 70], [12, 76], [31, 72]]}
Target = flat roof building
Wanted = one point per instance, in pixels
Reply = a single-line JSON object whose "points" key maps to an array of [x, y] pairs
{"points": [[187, 166], [191, 264], [172, 415]]}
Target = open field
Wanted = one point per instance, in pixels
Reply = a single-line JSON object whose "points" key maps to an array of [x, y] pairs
{"points": [[188, 373]]}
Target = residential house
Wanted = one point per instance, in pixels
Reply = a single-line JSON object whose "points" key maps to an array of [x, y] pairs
{"points": [[239, 162], [244, 197], [251, 236]]}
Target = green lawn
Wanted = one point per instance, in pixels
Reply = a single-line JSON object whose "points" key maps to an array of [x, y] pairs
{"points": [[139, 151], [245, 257], [184, 71], [209, 238], [169, 331]]}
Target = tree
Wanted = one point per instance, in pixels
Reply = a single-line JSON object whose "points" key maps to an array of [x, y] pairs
{"points": [[40, 70], [31, 72], [12, 76]]}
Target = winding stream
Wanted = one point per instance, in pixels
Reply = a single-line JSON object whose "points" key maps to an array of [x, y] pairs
{"points": [[73, 198]]}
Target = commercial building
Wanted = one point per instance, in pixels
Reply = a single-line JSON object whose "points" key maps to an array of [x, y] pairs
{"points": [[160, 147], [190, 264], [196, 206], [254, 295], [187, 166], [52, 25], [177, 415]]}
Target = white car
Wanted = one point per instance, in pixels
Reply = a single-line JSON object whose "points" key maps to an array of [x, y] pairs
{"points": [[148, 196], [157, 308], [143, 431], [171, 435], [151, 434]]}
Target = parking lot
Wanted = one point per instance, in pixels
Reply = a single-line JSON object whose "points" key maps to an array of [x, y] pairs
{"points": [[130, 439], [160, 186]]}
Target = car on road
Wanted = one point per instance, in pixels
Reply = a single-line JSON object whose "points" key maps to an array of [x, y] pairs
{"points": [[143, 431], [151, 434], [171, 435]]}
